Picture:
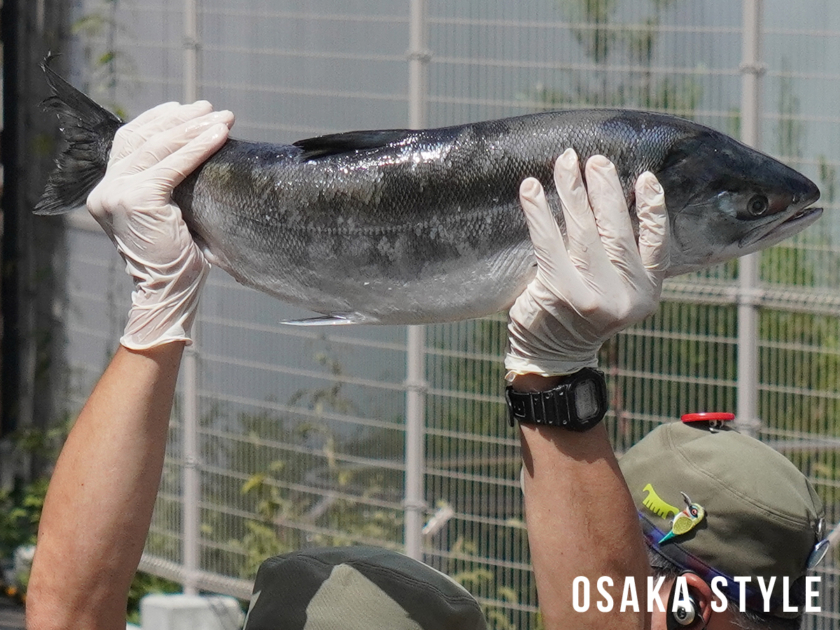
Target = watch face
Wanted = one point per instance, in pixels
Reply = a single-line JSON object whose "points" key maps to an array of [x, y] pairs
{"points": [[586, 400]]}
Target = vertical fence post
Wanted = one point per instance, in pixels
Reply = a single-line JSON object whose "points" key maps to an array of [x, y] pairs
{"points": [[190, 446], [748, 267], [414, 501]]}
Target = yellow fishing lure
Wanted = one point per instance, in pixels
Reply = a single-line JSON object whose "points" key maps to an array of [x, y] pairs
{"points": [[656, 504]]}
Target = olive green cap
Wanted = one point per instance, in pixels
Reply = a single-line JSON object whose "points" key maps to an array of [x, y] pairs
{"points": [[754, 513], [358, 588]]}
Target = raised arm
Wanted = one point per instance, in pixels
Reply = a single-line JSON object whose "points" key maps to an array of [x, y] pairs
{"points": [[589, 285], [100, 500]]}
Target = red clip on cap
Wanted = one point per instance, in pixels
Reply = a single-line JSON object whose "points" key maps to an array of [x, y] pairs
{"points": [[708, 416]]}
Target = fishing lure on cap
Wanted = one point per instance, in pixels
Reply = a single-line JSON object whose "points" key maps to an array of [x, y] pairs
{"points": [[686, 520]]}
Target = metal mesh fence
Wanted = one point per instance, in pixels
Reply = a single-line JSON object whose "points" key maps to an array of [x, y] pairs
{"points": [[301, 431]]}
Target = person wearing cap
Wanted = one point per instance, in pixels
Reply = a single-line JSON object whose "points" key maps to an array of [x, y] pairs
{"points": [[99, 505], [724, 518], [582, 519], [720, 507]]}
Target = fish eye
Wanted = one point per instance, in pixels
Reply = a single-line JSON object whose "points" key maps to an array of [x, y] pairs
{"points": [[758, 205]]}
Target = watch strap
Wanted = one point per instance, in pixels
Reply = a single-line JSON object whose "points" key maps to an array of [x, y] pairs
{"points": [[556, 407]]}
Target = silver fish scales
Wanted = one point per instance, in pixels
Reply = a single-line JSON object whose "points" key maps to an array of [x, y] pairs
{"points": [[410, 227]]}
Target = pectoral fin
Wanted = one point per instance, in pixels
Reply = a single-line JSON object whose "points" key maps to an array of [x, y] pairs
{"points": [[335, 319]]}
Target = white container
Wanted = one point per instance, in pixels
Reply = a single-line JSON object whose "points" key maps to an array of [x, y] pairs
{"points": [[190, 612]]}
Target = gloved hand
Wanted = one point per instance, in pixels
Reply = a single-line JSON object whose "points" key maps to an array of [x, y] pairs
{"points": [[597, 281], [150, 156]]}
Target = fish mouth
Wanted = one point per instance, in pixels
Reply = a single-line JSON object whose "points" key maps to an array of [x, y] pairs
{"points": [[762, 237]]}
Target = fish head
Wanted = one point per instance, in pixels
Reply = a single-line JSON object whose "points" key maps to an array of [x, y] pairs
{"points": [[726, 200]]}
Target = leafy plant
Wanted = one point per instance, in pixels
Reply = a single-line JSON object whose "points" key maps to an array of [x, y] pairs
{"points": [[487, 587], [98, 30], [605, 41], [20, 514], [146, 584], [21, 505]]}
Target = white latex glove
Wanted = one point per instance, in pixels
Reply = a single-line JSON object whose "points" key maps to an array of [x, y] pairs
{"points": [[595, 282], [150, 156]]}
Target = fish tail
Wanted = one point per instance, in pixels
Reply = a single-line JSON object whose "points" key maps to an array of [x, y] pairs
{"points": [[89, 130]]}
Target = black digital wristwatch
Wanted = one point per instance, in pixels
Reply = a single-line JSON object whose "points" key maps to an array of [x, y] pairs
{"points": [[578, 403]]}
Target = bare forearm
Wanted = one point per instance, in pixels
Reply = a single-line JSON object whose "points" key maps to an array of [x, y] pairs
{"points": [[102, 493], [581, 522]]}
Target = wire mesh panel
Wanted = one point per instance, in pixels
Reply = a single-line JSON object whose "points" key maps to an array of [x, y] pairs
{"points": [[301, 430], [473, 465]]}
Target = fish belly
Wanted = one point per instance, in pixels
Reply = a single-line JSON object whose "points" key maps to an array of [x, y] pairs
{"points": [[405, 275], [426, 230]]}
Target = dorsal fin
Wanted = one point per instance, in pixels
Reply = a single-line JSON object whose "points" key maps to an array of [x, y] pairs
{"points": [[337, 143]]}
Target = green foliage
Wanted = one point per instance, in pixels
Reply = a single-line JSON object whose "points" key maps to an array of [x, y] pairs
{"points": [[21, 505], [263, 538], [790, 130], [673, 95], [292, 480], [327, 397], [595, 38], [44, 443], [733, 123], [787, 334], [606, 41], [685, 359], [466, 380], [287, 519], [486, 585], [20, 514], [99, 30], [146, 584], [828, 180]]}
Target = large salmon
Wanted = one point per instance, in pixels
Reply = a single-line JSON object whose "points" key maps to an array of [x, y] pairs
{"points": [[411, 227]]}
